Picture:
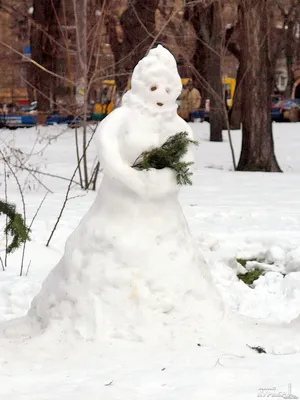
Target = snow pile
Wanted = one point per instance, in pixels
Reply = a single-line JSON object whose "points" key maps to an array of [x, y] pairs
{"points": [[274, 296]]}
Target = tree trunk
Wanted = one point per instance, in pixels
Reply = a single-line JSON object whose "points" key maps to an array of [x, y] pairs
{"points": [[138, 24], [44, 50], [71, 94], [257, 152], [207, 23], [80, 12], [235, 114], [216, 114], [200, 60], [290, 52]]}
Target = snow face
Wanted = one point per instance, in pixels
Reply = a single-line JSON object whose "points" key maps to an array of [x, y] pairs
{"points": [[155, 82], [132, 262]]}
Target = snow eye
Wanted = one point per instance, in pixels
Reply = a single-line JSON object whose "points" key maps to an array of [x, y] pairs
{"points": [[153, 88], [168, 90]]}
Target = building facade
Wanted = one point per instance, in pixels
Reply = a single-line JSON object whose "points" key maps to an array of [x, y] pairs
{"points": [[16, 21]]}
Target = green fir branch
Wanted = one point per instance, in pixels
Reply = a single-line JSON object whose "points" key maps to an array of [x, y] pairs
{"points": [[169, 155], [15, 226]]}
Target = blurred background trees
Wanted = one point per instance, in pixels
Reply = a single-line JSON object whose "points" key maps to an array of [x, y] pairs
{"points": [[238, 54]]}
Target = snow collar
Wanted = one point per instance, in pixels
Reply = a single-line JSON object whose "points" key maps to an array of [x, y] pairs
{"points": [[131, 100]]}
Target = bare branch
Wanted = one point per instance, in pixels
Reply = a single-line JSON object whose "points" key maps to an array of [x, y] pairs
{"points": [[67, 193], [38, 209]]}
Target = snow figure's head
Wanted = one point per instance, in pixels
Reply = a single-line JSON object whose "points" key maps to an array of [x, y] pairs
{"points": [[155, 82]]}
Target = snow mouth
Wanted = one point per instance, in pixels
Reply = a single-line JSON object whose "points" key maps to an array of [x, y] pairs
{"points": [[160, 104]]}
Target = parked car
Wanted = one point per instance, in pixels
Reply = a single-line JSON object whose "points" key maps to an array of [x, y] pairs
{"points": [[29, 107], [286, 111], [76, 122], [72, 121], [57, 118], [13, 116], [14, 121]]}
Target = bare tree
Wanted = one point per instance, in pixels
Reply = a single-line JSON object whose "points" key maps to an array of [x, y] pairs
{"points": [[233, 46], [44, 34], [257, 152], [207, 23], [288, 38]]}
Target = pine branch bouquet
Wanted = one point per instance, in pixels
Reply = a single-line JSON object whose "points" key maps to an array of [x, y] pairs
{"points": [[15, 226], [169, 155]]}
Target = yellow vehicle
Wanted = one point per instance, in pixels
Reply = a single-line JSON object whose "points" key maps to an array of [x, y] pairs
{"points": [[229, 85], [106, 100], [185, 81]]}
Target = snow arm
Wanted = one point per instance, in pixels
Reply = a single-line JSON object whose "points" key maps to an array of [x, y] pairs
{"points": [[146, 184], [107, 140]]}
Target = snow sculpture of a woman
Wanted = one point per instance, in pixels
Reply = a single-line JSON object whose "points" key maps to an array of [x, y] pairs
{"points": [[132, 262]]}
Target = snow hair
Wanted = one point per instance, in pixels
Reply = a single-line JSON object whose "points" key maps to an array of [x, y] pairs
{"points": [[161, 60], [157, 67]]}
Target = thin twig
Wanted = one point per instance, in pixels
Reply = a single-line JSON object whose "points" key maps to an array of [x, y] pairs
{"points": [[6, 219], [67, 193], [46, 174], [28, 268], [78, 157], [77, 196], [230, 138], [94, 176], [22, 167], [38, 209], [98, 27], [2, 264]]}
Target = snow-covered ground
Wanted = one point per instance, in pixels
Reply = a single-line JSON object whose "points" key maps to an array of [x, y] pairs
{"points": [[233, 216]]}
